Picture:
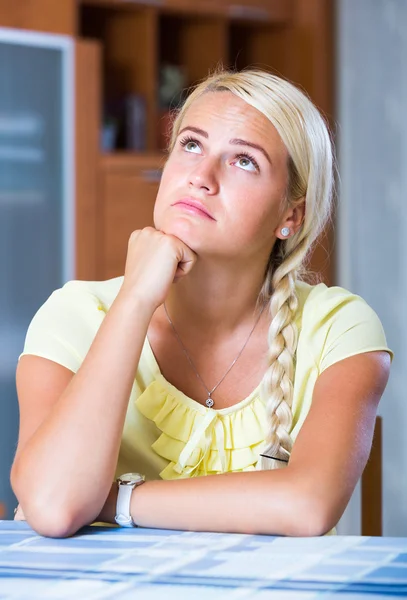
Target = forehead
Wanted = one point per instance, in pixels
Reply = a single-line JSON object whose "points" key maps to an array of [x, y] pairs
{"points": [[223, 113]]}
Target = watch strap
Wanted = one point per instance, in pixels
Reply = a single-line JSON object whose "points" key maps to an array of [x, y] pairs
{"points": [[123, 516]]}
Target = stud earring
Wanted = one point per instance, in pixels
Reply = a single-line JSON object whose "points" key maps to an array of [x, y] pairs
{"points": [[285, 231]]}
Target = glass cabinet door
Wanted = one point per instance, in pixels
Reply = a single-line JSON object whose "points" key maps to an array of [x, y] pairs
{"points": [[36, 202]]}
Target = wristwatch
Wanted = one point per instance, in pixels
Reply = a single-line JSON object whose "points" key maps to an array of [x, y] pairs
{"points": [[126, 484]]}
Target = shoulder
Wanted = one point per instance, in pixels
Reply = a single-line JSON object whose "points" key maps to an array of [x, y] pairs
{"points": [[324, 305], [104, 292], [78, 299], [65, 325], [335, 323]]}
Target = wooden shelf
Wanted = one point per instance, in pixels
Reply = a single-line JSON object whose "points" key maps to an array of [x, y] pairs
{"points": [[199, 7], [278, 11], [122, 4], [194, 42], [180, 6], [266, 11], [123, 161]]}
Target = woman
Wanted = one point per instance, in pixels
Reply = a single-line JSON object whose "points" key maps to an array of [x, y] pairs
{"points": [[235, 368]]}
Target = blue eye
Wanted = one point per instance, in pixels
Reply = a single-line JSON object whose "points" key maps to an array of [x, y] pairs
{"points": [[249, 161], [190, 144]]}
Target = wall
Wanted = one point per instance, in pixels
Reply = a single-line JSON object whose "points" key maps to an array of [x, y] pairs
{"points": [[372, 100]]}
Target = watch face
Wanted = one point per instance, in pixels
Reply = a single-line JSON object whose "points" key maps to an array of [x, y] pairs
{"points": [[130, 478]]}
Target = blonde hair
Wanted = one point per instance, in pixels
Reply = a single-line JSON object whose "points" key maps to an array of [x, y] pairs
{"points": [[306, 137]]}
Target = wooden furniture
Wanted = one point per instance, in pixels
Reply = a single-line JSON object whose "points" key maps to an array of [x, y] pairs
{"points": [[39, 15], [120, 48], [371, 485]]}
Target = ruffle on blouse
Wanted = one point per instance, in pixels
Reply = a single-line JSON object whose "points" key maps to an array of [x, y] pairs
{"points": [[201, 441]]}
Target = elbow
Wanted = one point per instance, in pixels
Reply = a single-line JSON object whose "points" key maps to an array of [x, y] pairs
{"points": [[45, 513], [47, 521], [314, 518], [49, 518], [52, 525], [310, 516]]}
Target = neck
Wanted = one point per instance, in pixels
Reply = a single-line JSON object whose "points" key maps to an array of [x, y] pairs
{"points": [[215, 299]]}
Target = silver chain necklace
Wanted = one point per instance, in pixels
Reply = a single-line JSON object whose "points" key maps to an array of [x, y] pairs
{"points": [[209, 401]]}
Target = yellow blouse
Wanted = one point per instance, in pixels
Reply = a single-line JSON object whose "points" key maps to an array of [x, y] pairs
{"points": [[169, 435]]}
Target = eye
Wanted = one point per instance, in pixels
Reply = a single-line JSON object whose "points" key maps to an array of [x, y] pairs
{"points": [[247, 162], [190, 144]]}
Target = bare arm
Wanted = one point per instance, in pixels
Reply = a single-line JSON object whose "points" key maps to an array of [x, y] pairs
{"points": [[306, 498], [72, 455], [71, 425]]}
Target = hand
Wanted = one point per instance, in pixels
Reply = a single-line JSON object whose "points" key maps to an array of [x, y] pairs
{"points": [[154, 261]]}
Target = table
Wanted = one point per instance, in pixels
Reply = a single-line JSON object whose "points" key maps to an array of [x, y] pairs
{"points": [[151, 564]]}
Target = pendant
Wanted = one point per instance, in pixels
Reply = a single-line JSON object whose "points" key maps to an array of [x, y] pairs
{"points": [[209, 402]]}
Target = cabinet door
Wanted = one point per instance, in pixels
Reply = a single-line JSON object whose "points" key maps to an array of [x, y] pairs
{"points": [[129, 192], [37, 232]]}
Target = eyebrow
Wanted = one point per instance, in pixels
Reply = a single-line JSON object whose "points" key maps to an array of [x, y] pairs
{"points": [[234, 141], [238, 142]]}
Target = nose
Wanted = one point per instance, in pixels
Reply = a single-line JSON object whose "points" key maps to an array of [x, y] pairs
{"points": [[204, 176]]}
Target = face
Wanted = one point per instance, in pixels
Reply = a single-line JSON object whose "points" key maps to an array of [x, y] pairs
{"points": [[224, 185]]}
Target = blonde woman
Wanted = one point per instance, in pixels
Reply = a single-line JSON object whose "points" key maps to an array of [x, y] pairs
{"points": [[242, 396]]}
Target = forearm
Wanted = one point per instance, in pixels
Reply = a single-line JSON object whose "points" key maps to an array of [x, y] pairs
{"points": [[257, 502], [81, 436]]}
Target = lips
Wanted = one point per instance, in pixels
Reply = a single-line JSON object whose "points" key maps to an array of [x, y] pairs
{"points": [[194, 206]]}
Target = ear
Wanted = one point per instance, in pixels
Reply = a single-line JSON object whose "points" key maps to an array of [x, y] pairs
{"points": [[292, 220]]}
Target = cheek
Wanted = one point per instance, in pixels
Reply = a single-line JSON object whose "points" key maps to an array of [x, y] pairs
{"points": [[163, 197], [253, 213]]}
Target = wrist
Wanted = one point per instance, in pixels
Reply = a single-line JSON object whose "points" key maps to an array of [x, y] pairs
{"points": [[138, 503], [136, 305]]}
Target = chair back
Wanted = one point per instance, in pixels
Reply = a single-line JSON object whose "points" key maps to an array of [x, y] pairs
{"points": [[371, 485]]}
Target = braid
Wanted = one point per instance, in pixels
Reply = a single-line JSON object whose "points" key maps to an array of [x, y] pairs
{"points": [[277, 386]]}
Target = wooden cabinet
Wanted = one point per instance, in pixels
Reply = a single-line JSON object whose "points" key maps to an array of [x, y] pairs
{"points": [[137, 42], [87, 154], [130, 185], [39, 15]]}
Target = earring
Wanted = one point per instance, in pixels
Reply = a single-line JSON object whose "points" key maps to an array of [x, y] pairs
{"points": [[285, 231]]}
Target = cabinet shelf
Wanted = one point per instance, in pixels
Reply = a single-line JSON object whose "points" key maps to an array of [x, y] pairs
{"points": [[131, 161], [278, 11], [177, 6]]}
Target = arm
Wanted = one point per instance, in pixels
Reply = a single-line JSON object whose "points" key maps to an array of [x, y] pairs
{"points": [[307, 497], [71, 425], [59, 415]]}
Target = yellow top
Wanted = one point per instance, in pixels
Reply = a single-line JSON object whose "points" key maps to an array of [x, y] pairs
{"points": [[167, 434]]}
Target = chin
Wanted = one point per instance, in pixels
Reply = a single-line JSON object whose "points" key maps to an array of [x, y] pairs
{"points": [[185, 230]]}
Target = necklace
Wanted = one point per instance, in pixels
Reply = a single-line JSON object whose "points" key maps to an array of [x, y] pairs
{"points": [[209, 401]]}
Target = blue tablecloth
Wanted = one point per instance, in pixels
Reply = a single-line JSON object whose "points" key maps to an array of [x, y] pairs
{"points": [[149, 564]]}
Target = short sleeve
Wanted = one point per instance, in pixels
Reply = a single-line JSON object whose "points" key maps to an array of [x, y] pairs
{"points": [[64, 327], [344, 325]]}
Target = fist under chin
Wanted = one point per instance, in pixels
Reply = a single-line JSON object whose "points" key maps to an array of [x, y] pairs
{"points": [[183, 232]]}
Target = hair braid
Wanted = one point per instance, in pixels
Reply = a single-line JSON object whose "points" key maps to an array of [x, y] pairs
{"points": [[277, 385]]}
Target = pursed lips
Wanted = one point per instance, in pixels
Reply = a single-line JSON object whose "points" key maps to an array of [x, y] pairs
{"points": [[196, 206]]}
